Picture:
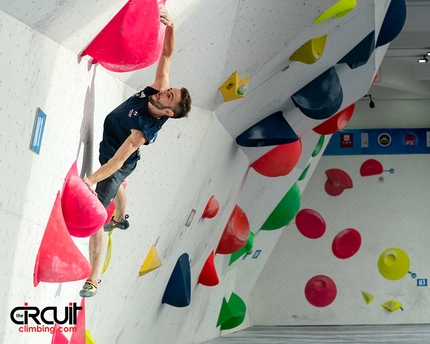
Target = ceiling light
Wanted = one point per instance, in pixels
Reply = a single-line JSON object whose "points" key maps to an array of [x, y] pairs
{"points": [[371, 103], [428, 53], [423, 60]]}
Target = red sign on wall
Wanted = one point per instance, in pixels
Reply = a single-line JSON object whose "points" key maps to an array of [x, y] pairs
{"points": [[346, 141]]}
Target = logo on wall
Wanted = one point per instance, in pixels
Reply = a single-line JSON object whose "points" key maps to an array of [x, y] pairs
{"points": [[384, 140], [410, 140], [346, 140]]}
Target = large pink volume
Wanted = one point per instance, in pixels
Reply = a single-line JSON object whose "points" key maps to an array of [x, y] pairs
{"points": [[83, 212], [132, 40]]}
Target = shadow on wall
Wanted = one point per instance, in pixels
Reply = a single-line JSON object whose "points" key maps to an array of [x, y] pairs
{"points": [[87, 131]]}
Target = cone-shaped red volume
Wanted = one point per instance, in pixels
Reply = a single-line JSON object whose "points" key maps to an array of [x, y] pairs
{"points": [[132, 40], [371, 167], [280, 160], [79, 337], [58, 337], [83, 212], [337, 122], [58, 259], [208, 275], [211, 209], [236, 232]]}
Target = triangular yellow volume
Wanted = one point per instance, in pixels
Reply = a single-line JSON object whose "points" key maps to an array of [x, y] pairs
{"points": [[311, 51], [367, 297], [152, 262], [233, 88], [392, 305], [88, 339]]}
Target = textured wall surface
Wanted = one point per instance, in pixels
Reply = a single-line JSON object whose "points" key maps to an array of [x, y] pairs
{"points": [[392, 213], [192, 159]]}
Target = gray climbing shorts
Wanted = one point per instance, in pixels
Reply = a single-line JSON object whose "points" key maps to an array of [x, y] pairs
{"points": [[107, 189]]}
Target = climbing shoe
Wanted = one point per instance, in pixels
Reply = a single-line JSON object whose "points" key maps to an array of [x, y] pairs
{"points": [[112, 224]]}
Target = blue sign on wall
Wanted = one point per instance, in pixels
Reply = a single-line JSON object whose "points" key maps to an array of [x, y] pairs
{"points": [[379, 141], [39, 126], [422, 282]]}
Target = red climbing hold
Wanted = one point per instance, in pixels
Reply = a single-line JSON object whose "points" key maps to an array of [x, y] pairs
{"points": [[208, 275], [211, 209], [236, 232], [337, 122]]}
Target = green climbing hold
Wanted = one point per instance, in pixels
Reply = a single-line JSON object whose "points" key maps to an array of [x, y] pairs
{"points": [[246, 249], [285, 211], [305, 171], [318, 147]]}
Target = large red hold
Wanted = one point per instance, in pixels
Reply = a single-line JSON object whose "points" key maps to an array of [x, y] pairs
{"points": [[132, 40]]}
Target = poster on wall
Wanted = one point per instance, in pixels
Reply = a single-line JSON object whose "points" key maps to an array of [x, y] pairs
{"points": [[379, 141]]}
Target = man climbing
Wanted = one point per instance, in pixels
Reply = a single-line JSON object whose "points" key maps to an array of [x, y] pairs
{"points": [[133, 123]]}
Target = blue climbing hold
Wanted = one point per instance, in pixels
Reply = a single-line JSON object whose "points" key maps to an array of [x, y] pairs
{"points": [[393, 22], [322, 97], [271, 131], [178, 290], [359, 55]]}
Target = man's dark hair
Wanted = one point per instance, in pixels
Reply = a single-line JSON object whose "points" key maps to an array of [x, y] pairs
{"points": [[181, 110]]}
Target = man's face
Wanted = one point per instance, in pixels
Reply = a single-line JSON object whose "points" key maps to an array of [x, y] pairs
{"points": [[166, 99]]}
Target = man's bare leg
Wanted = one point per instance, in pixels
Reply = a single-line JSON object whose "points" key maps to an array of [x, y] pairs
{"points": [[96, 251], [120, 203]]}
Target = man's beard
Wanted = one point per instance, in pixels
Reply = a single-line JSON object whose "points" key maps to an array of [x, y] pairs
{"points": [[157, 103]]}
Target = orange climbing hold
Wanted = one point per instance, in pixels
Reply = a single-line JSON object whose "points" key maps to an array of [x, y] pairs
{"points": [[236, 232], [58, 259], [208, 275]]}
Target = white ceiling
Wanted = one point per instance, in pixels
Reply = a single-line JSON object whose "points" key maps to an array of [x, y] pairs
{"points": [[255, 38]]}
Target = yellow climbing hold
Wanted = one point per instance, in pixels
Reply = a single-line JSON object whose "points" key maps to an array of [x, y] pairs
{"points": [[339, 9], [311, 51], [152, 262], [367, 297], [393, 264], [233, 88], [108, 253], [392, 305], [88, 339]]}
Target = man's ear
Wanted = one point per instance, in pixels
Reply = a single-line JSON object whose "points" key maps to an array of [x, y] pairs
{"points": [[169, 112]]}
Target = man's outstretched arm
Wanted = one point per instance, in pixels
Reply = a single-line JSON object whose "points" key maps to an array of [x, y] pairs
{"points": [[161, 82], [133, 142]]}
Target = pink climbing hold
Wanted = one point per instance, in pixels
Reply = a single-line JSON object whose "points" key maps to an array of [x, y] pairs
{"points": [[320, 291], [83, 213], [310, 223], [211, 209], [280, 160], [337, 181], [336, 122], [371, 167], [132, 40], [58, 337], [236, 232], [79, 336], [58, 259], [346, 243]]}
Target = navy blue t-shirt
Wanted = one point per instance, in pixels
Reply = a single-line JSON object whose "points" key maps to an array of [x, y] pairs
{"points": [[132, 114]]}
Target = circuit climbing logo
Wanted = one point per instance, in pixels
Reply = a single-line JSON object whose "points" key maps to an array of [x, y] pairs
{"points": [[28, 316]]}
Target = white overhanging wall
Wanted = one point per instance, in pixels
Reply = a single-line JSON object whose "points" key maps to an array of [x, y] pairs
{"points": [[193, 159]]}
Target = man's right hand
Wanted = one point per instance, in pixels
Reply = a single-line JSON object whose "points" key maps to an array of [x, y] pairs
{"points": [[165, 17], [89, 185]]}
